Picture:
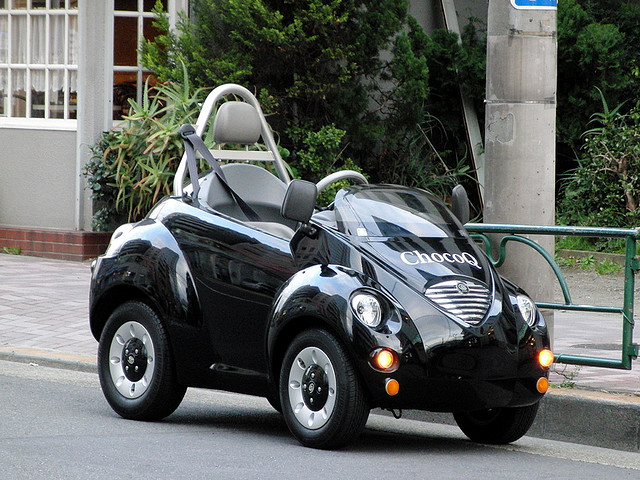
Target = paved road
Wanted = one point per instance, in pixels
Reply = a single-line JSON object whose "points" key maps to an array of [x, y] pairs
{"points": [[55, 425]]}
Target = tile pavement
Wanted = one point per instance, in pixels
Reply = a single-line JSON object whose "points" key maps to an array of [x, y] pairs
{"points": [[44, 304], [598, 335]]}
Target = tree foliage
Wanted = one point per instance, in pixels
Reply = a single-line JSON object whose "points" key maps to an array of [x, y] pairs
{"points": [[348, 83], [597, 47]]}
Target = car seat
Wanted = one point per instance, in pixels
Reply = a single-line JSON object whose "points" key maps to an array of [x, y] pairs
{"points": [[238, 123]]}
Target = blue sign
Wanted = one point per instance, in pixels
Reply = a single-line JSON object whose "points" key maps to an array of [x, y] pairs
{"points": [[535, 4]]}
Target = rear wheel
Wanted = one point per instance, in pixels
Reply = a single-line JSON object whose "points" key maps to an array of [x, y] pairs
{"points": [[497, 425], [322, 400], [135, 365]]}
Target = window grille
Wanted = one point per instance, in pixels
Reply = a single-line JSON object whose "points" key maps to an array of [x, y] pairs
{"points": [[38, 59]]}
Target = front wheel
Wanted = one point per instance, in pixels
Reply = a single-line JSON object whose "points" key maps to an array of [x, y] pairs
{"points": [[497, 425], [135, 365], [322, 400]]}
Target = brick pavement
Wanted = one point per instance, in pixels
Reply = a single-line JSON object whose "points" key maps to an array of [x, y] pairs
{"points": [[44, 311], [598, 335], [44, 304]]}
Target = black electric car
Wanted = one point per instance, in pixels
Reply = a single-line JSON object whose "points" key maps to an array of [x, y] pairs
{"points": [[238, 282]]}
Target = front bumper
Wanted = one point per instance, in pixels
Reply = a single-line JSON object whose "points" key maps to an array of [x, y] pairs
{"points": [[465, 373]]}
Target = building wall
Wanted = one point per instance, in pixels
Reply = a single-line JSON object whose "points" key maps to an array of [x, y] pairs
{"points": [[472, 9], [428, 13], [37, 178]]}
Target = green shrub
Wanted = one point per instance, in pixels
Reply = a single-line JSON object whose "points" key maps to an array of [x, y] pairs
{"points": [[133, 165], [99, 171], [597, 47], [604, 190], [319, 153]]}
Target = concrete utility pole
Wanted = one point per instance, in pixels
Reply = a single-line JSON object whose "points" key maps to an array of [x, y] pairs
{"points": [[520, 130]]}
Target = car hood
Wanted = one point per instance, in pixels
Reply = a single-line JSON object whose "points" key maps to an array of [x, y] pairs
{"points": [[451, 273], [423, 262]]}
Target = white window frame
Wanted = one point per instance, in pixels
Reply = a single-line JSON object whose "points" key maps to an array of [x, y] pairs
{"points": [[66, 67], [140, 16], [105, 9], [173, 7]]}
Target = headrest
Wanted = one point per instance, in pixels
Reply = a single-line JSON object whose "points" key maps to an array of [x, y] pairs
{"points": [[236, 122]]}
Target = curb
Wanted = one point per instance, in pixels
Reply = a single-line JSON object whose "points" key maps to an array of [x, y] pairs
{"points": [[590, 418], [49, 358], [616, 258], [578, 416]]}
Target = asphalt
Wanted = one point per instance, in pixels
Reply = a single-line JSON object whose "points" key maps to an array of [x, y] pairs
{"points": [[44, 322]]}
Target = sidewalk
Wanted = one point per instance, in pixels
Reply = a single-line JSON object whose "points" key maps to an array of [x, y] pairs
{"points": [[44, 320], [44, 305]]}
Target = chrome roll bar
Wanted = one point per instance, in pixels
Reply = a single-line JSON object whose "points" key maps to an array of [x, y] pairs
{"points": [[208, 108]]}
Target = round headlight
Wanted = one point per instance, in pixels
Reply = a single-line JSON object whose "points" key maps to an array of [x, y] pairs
{"points": [[367, 308], [527, 309]]}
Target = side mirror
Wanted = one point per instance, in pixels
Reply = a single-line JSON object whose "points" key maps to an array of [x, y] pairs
{"points": [[460, 203], [299, 201]]}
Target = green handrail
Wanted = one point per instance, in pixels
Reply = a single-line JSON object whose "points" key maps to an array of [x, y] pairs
{"points": [[514, 233]]}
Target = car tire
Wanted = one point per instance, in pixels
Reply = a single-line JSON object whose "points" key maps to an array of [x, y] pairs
{"points": [[135, 364], [322, 399], [497, 425]]}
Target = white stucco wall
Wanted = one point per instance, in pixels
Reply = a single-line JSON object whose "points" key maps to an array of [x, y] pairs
{"points": [[37, 178]]}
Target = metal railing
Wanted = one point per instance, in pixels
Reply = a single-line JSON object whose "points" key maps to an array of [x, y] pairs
{"points": [[514, 233]]}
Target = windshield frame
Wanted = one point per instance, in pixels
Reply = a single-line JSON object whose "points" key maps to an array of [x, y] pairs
{"points": [[393, 211]]}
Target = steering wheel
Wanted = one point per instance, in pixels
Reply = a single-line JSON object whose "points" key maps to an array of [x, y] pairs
{"points": [[341, 175]]}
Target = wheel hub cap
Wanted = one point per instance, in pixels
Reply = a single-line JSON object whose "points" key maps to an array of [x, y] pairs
{"points": [[131, 359], [315, 388], [312, 388], [134, 355]]}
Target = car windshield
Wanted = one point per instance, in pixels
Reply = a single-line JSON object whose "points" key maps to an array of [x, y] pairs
{"points": [[392, 211]]}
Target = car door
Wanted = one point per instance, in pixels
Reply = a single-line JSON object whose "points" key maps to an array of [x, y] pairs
{"points": [[237, 270]]}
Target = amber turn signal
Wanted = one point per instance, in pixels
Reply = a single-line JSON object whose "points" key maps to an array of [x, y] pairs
{"points": [[384, 360], [545, 357], [392, 387], [542, 385]]}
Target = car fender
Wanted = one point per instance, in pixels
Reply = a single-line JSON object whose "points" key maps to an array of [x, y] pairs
{"points": [[144, 263], [319, 297]]}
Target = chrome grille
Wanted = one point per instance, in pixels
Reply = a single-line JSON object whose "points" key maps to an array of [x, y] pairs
{"points": [[466, 299]]}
